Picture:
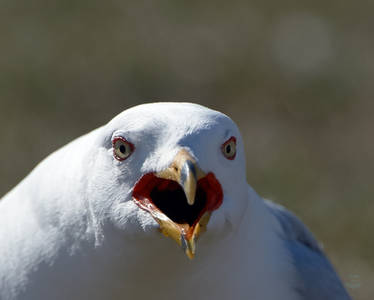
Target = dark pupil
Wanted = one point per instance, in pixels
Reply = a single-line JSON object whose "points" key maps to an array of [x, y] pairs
{"points": [[122, 148], [228, 149]]}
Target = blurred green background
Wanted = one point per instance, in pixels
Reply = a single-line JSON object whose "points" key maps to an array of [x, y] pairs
{"points": [[295, 75]]}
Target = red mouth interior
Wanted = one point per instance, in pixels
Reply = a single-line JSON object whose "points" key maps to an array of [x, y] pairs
{"points": [[156, 195]]}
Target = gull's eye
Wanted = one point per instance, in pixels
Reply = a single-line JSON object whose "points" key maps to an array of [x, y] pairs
{"points": [[229, 148], [122, 149]]}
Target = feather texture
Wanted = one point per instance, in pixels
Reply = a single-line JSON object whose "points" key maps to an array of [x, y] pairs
{"points": [[71, 228], [317, 279]]}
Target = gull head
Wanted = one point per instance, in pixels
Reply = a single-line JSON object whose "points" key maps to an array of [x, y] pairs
{"points": [[169, 169]]}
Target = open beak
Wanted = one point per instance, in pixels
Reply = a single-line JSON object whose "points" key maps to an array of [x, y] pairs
{"points": [[186, 172], [181, 199]]}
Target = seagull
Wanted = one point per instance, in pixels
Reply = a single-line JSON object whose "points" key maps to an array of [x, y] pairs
{"points": [[155, 205]]}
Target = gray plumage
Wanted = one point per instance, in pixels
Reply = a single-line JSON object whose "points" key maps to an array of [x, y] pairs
{"points": [[317, 277]]}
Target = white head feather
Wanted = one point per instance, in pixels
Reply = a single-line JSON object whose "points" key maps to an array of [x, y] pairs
{"points": [[75, 213]]}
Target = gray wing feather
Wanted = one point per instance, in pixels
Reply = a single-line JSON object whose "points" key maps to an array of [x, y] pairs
{"points": [[318, 279]]}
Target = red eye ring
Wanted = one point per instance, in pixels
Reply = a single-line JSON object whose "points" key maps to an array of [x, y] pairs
{"points": [[228, 148], [122, 148]]}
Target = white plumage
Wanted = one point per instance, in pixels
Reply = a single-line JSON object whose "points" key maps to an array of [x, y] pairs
{"points": [[73, 229]]}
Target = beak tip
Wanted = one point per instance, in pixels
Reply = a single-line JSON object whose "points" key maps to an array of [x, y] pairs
{"points": [[188, 247], [190, 255], [191, 200], [188, 180]]}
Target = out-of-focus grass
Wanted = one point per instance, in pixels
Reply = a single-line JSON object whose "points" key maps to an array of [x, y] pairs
{"points": [[295, 76]]}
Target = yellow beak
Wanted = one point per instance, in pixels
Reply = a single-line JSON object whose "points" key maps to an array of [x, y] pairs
{"points": [[186, 172]]}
